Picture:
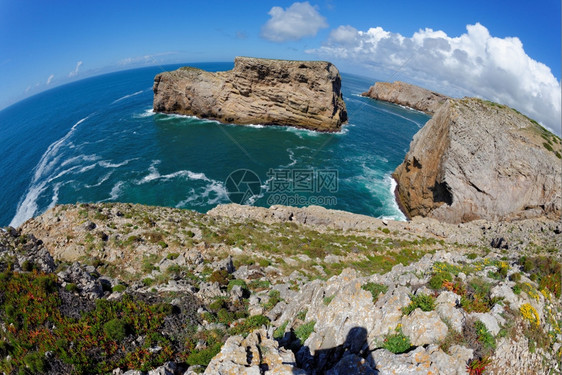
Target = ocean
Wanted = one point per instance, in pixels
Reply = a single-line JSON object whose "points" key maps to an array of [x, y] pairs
{"points": [[97, 140]]}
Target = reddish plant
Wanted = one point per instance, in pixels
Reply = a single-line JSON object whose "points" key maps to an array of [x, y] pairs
{"points": [[478, 366]]}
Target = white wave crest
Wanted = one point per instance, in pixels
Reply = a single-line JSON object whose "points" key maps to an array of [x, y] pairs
{"points": [[149, 112], [27, 207], [127, 96]]}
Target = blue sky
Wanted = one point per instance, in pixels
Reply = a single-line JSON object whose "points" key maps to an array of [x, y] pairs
{"points": [[44, 44]]}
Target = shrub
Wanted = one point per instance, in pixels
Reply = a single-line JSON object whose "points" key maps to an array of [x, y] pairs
{"points": [[71, 287], [397, 342], [515, 277], [235, 282], [35, 362], [484, 336], [304, 330], [530, 314], [203, 357], [437, 280], [220, 276], [423, 301], [148, 281], [375, 289], [115, 329]]}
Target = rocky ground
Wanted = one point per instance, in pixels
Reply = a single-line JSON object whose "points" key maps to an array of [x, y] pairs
{"points": [[96, 288]]}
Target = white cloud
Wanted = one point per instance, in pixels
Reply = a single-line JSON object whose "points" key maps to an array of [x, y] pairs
{"points": [[474, 63], [50, 79], [294, 23], [146, 59], [74, 73]]}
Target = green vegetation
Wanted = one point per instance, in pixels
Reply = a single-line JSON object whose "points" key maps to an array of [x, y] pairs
{"points": [[303, 331], [31, 308], [375, 289], [423, 301], [546, 271], [397, 342]]}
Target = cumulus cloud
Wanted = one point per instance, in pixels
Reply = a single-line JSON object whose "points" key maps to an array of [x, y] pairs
{"points": [[294, 23], [474, 63], [74, 73], [50, 79]]}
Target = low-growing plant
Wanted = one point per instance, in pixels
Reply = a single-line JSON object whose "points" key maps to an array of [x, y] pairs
{"points": [[119, 288], [397, 342], [423, 301], [220, 276], [328, 299], [235, 282], [71, 287], [280, 331], [303, 331], [375, 289], [438, 278], [478, 366], [115, 329]]}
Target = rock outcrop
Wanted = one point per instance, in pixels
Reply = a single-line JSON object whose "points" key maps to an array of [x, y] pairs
{"points": [[284, 290], [304, 94], [480, 160], [407, 95]]}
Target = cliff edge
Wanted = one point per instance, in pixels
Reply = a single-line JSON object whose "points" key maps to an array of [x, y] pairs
{"points": [[304, 94], [408, 95], [480, 160]]}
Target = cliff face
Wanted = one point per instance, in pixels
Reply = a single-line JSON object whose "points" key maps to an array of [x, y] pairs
{"points": [[408, 95], [480, 160], [305, 94]]}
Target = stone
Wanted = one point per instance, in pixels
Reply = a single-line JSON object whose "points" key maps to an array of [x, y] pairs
{"points": [[499, 243], [478, 160], [256, 354], [489, 321], [304, 94], [408, 95], [424, 327]]}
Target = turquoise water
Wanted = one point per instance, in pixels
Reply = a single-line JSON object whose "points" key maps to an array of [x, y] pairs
{"points": [[97, 140]]}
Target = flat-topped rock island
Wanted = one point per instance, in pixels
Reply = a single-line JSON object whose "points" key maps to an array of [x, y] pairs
{"points": [[303, 94]]}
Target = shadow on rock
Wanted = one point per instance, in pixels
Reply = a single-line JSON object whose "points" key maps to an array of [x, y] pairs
{"points": [[353, 357]]}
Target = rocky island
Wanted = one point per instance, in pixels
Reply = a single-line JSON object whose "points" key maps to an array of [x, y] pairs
{"points": [[481, 160], [407, 95], [303, 94]]}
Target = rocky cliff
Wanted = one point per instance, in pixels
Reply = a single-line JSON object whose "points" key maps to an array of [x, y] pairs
{"points": [[304, 94], [408, 95], [480, 160]]}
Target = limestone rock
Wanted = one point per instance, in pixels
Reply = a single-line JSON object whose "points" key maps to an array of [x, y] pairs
{"points": [[424, 327], [256, 354], [430, 360], [479, 160], [304, 94], [408, 95]]}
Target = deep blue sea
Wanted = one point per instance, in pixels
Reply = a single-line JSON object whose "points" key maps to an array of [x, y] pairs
{"points": [[97, 140]]}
